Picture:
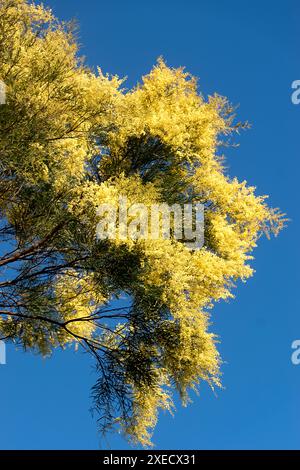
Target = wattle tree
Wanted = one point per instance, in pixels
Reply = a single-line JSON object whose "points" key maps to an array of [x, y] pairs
{"points": [[71, 140]]}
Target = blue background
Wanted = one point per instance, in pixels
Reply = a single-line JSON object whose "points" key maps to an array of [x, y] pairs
{"points": [[247, 51]]}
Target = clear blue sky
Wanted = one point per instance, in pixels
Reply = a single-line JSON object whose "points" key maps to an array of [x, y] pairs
{"points": [[247, 51]]}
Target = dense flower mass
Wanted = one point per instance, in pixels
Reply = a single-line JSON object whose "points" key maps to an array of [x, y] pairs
{"points": [[72, 139]]}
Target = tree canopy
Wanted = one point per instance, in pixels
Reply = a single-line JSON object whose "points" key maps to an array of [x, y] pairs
{"points": [[72, 138]]}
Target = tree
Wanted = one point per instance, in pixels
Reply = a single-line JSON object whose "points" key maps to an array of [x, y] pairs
{"points": [[72, 139]]}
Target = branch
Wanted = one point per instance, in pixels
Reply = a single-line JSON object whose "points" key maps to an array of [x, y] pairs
{"points": [[36, 246]]}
